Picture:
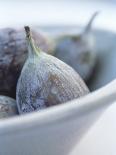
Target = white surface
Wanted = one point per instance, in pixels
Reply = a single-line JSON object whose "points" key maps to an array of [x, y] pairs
{"points": [[101, 138], [52, 12]]}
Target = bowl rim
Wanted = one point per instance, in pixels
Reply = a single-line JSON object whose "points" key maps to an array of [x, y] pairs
{"points": [[49, 116]]}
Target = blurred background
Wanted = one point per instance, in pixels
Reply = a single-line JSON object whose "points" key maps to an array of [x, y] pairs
{"points": [[53, 12]]}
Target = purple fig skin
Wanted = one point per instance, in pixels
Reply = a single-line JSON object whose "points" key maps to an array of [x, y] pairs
{"points": [[46, 81], [78, 50], [8, 107], [13, 53]]}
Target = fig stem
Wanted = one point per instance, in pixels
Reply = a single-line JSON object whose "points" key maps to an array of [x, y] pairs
{"points": [[27, 30], [32, 47], [88, 27]]}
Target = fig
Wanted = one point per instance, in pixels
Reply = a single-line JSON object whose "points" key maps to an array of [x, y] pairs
{"points": [[46, 81], [78, 50], [13, 53], [8, 107]]}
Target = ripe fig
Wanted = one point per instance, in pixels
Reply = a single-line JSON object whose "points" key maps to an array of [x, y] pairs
{"points": [[8, 107], [78, 51], [46, 80], [13, 53]]}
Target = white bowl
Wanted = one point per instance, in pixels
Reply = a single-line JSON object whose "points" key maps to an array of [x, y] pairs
{"points": [[56, 130]]}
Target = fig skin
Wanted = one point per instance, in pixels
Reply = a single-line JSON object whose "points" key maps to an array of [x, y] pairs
{"points": [[46, 81], [78, 50], [13, 53], [8, 107]]}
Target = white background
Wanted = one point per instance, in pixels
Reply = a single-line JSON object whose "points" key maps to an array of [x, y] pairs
{"points": [[70, 12]]}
